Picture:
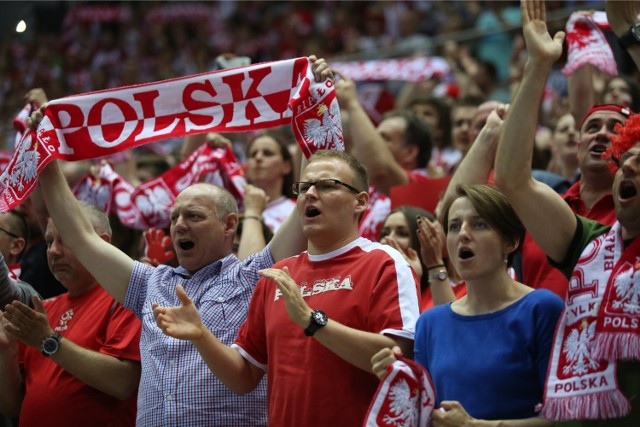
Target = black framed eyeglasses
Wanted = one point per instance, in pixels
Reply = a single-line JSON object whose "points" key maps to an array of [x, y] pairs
{"points": [[620, 160], [15, 236], [322, 186]]}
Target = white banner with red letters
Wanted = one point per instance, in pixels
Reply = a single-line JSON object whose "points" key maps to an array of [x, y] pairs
{"points": [[403, 69], [100, 123]]}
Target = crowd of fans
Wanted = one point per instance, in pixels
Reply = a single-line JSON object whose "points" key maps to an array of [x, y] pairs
{"points": [[102, 45], [433, 198]]}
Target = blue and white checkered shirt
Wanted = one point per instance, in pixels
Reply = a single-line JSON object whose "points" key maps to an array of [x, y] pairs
{"points": [[177, 388]]}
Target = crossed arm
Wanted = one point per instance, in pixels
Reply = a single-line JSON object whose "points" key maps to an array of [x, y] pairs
{"points": [[184, 322], [111, 375]]}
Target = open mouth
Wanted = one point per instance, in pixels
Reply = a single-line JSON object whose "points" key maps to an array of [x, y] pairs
{"points": [[627, 190], [598, 149], [465, 253], [311, 212], [185, 245]]}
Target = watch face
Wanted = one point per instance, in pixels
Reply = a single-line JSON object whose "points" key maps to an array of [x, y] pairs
{"points": [[50, 345], [442, 275], [319, 317]]}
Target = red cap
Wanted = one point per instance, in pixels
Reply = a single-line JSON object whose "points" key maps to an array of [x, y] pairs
{"points": [[607, 107]]}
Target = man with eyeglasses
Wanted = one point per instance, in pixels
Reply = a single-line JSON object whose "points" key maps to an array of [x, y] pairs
{"points": [[13, 239], [176, 387], [594, 367], [315, 320]]}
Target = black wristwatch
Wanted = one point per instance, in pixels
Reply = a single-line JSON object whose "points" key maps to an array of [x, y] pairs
{"points": [[50, 344], [630, 37], [318, 320]]}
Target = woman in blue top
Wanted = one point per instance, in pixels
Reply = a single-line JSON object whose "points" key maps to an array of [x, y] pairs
{"points": [[487, 353]]}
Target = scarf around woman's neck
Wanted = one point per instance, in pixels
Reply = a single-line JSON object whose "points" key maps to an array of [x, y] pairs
{"points": [[247, 98], [600, 325]]}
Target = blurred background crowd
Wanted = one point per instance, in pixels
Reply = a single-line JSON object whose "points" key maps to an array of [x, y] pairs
{"points": [[76, 47]]}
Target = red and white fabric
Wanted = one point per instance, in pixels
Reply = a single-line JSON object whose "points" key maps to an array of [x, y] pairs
{"points": [[100, 123], [405, 397], [587, 45], [598, 327], [373, 218], [149, 204], [404, 69]]}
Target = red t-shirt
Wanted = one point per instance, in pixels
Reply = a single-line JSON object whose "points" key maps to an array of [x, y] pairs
{"points": [[53, 396], [364, 285]]}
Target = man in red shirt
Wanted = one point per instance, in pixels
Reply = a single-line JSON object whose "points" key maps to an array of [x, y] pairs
{"points": [[316, 319], [74, 360]]}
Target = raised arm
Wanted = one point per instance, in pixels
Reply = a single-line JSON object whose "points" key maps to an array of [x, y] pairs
{"points": [[622, 14], [368, 145], [111, 267], [582, 94], [184, 322], [252, 239], [548, 219], [289, 239], [476, 166]]}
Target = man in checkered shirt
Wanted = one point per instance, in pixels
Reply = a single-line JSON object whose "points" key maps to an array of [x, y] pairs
{"points": [[177, 388]]}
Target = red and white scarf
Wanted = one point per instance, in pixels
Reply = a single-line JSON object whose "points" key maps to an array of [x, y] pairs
{"points": [[404, 69], [235, 100], [374, 216], [149, 204], [20, 121], [15, 270], [405, 397], [587, 45], [600, 325]]}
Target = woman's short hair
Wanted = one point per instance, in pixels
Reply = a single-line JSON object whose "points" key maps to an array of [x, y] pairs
{"points": [[494, 208]]}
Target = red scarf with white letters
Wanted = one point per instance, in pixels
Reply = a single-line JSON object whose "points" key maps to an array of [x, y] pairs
{"points": [[149, 204], [600, 325], [235, 100]]}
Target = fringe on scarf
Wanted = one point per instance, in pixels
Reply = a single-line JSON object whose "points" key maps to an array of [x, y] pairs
{"points": [[604, 405], [616, 346]]}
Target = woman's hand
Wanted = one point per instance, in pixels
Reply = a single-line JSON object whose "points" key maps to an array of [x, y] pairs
{"points": [[381, 361]]}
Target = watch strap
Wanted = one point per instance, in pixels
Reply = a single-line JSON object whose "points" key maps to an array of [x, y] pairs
{"points": [[630, 37]]}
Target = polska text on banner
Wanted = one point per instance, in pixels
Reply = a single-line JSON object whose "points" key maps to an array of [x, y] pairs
{"points": [[247, 98]]}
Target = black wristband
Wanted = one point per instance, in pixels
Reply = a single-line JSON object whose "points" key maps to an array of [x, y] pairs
{"points": [[252, 217], [435, 266]]}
